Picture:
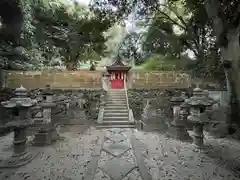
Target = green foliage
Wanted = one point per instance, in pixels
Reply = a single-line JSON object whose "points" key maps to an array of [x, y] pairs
{"points": [[54, 29], [159, 63]]}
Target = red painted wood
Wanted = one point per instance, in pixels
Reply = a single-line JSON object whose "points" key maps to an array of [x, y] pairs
{"points": [[117, 83]]}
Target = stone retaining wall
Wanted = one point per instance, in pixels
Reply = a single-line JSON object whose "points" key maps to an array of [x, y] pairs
{"points": [[57, 79], [92, 79], [165, 79], [160, 99], [91, 96]]}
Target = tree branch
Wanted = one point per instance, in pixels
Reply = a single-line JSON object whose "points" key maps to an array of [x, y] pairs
{"points": [[212, 8]]}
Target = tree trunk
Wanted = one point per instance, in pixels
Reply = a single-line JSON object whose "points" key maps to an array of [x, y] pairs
{"points": [[230, 55]]}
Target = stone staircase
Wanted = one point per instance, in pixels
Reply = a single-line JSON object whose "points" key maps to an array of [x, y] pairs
{"points": [[116, 111]]}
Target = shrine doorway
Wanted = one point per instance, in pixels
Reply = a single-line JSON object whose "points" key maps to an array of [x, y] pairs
{"points": [[117, 80]]}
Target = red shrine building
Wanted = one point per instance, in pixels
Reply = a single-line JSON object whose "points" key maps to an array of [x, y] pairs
{"points": [[118, 74]]}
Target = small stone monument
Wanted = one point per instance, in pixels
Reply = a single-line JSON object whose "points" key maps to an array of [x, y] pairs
{"points": [[80, 101], [198, 104], [20, 105], [150, 118], [47, 133], [177, 127]]}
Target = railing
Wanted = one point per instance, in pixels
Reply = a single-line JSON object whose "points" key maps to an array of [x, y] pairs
{"points": [[125, 88]]}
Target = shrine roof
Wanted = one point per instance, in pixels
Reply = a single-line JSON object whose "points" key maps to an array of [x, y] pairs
{"points": [[118, 65]]}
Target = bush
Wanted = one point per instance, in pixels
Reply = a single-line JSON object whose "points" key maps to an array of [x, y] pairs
{"points": [[159, 63]]}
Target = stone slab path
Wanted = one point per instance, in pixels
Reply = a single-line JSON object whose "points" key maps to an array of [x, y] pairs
{"points": [[119, 158], [125, 154]]}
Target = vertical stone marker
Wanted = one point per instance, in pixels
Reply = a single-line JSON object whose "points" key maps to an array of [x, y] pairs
{"points": [[47, 133], [20, 104]]}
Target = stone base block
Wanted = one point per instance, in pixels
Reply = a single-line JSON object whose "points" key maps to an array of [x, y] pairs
{"points": [[179, 132], [46, 137], [18, 160], [42, 138], [198, 141]]}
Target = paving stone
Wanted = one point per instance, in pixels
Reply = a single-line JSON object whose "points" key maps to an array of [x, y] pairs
{"points": [[100, 175], [117, 130], [117, 169], [172, 159], [117, 149], [117, 137], [133, 175]]}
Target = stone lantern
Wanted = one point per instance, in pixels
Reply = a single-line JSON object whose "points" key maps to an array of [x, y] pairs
{"points": [[47, 133], [177, 127], [198, 104], [20, 105]]}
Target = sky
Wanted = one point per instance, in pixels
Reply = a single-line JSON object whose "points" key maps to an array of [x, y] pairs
{"points": [[86, 2]]}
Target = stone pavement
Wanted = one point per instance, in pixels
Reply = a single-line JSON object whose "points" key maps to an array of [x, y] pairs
{"points": [[125, 154]]}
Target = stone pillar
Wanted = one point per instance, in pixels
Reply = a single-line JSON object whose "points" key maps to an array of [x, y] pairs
{"points": [[47, 133], [198, 104], [177, 127], [21, 105]]}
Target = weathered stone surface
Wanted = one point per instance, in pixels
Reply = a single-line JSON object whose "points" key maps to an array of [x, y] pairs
{"points": [[160, 99], [116, 149], [118, 168], [173, 159], [164, 158], [117, 137], [67, 159]]}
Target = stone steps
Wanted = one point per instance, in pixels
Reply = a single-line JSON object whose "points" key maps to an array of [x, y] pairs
{"points": [[116, 112], [117, 123], [114, 107], [116, 104], [115, 126], [116, 118], [110, 110]]}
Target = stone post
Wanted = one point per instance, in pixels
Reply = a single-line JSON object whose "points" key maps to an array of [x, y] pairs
{"points": [[20, 105], [47, 133], [177, 127], [198, 104]]}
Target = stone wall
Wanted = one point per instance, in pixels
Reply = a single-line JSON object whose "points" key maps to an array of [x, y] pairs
{"points": [[92, 79], [168, 79], [160, 99], [57, 79]]}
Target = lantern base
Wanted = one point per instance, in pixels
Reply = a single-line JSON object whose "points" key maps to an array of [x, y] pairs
{"points": [[46, 137], [179, 132], [198, 141], [18, 160]]}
